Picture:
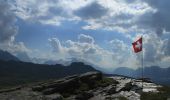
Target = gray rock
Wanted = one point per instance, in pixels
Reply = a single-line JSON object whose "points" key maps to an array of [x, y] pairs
{"points": [[127, 87], [112, 91], [90, 76], [61, 87], [84, 96], [54, 97]]}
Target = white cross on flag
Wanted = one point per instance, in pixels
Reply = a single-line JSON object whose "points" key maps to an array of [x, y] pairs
{"points": [[137, 45]]}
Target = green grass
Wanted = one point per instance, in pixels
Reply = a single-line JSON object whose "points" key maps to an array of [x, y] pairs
{"points": [[164, 94]]}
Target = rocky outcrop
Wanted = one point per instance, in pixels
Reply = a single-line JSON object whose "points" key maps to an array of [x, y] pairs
{"points": [[87, 86], [84, 96], [68, 83]]}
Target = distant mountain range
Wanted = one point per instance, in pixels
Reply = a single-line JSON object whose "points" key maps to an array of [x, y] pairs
{"points": [[14, 73], [155, 73], [12, 69]]}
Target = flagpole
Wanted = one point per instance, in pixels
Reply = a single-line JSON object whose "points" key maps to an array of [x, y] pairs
{"points": [[142, 63]]}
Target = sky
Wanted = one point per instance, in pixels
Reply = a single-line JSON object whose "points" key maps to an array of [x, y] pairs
{"points": [[98, 32]]}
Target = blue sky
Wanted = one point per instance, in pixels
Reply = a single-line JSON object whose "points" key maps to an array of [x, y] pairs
{"points": [[99, 32], [34, 34]]}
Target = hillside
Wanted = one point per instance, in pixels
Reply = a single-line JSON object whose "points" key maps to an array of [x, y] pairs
{"points": [[15, 73], [88, 86], [6, 56]]}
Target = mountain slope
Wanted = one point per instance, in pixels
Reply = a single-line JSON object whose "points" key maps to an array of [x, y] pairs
{"points": [[88, 86], [23, 57], [14, 73], [6, 56]]}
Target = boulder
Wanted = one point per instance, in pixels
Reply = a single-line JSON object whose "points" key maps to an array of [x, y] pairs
{"points": [[68, 84], [63, 86], [56, 84]]}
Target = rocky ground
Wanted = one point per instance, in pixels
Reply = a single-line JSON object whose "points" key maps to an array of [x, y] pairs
{"points": [[88, 86]]}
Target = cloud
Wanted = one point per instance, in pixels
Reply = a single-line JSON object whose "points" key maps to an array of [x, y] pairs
{"points": [[148, 17], [86, 50], [159, 20], [153, 48], [55, 43], [124, 16], [52, 12], [144, 16], [129, 17], [9, 30], [7, 23], [92, 10], [85, 39], [166, 46]]}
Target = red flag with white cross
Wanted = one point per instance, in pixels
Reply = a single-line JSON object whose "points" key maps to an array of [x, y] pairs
{"points": [[137, 45]]}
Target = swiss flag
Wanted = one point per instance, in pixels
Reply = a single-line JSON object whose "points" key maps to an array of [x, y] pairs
{"points": [[137, 45]]}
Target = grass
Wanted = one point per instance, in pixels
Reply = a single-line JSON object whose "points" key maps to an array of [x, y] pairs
{"points": [[164, 94]]}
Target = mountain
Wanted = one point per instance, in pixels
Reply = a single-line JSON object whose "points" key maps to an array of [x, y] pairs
{"points": [[53, 62], [157, 74], [6, 56], [13, 73], [124, 71], [23, 57], [88, 86], [38, 60]]}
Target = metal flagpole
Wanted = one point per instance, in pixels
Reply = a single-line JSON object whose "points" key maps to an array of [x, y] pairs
{"points": [[142, 62]]}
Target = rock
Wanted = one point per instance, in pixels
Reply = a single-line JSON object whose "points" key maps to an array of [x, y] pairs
{"points": [[84, 96], [90, 76], [127, 87], [10, 90], [68, 83], [37, 88], [54, 97], [63, 86], [112, 91], [54, 84], [137, 89], [74, 88]]}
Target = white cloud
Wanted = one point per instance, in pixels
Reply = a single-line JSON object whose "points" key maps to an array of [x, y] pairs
{"points": [[9, 30], [120, 55], [85, 49], [120, 15], [51, 12], [85, 39], [135, 16]]}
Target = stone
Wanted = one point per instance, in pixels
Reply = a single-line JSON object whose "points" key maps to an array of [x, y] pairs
{"points": [[54, 97], [90, 77], [127, 87], [112, 90], [84, 96], [61, 87]]}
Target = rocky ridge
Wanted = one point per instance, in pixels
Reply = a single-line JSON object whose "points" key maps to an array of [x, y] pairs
{"points": [[87, 86]]}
